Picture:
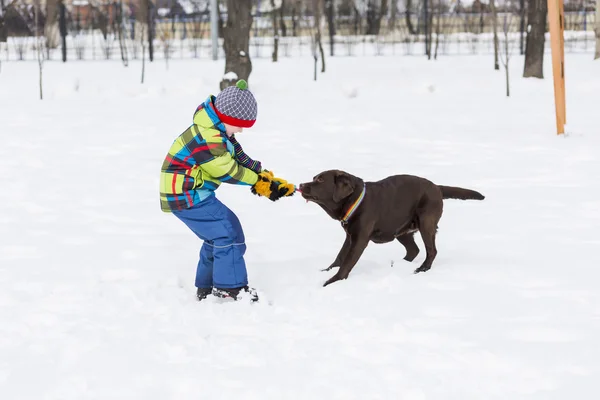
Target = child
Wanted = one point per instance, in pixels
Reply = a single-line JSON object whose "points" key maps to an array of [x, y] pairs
{"points": [[200, 159]]}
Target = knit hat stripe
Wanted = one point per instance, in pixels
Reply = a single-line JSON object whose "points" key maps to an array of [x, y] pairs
{"points": [[242, 123]]}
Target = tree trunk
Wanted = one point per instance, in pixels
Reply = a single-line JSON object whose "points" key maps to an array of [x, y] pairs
{"points": [[330, 13], [409, 25], [236, 43], [3, 34], [597, 30], [437, 28], [282, 26], [317, 7], [38, 44], [522, 26], [534, 50], [275, 32], [118, 7], [506, 65], [393, 15], [427, 43], [141, 26], [143, 52], [374, 15], [150, 31], [505, 55], [51, 25], [495, 28], [294, 21], [62, 25]]}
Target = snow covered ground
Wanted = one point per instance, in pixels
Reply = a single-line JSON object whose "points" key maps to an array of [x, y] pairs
{"points": [[97, 297]]}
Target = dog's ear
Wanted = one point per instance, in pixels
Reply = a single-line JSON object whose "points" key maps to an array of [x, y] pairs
{"points": [[343, 187]]}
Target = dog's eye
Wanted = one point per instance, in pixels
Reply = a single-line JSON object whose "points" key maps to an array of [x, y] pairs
{"points": [[320, 179]]}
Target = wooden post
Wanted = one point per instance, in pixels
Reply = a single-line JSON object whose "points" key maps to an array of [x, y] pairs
{"points": [[556, 23], [562, 57]]}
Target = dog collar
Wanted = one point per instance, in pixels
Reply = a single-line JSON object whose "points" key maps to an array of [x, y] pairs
{"points": [[354, 206]]}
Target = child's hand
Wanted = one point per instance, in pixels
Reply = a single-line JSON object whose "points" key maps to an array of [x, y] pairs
{"points": [[271, 187]]}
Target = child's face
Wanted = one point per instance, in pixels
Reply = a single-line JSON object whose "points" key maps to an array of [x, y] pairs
{"points": [[230, 129]]}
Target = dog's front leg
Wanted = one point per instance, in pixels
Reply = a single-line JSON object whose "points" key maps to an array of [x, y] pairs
{"points": [[341, 255], [357, 246]]}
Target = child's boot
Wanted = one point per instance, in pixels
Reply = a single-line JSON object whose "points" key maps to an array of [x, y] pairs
{"points": [[236, 293], [203, 293]]}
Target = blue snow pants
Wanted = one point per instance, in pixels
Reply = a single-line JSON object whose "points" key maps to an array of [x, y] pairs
{"points": [[221, 262]]}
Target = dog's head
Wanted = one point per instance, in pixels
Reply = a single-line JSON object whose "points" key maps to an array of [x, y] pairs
{"points": [[331, 190]]}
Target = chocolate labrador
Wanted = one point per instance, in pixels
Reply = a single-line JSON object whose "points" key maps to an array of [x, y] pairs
{"points": [[391, 209]]}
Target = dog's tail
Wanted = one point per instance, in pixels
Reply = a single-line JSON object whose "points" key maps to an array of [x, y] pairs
{"points": [[452, 192]]}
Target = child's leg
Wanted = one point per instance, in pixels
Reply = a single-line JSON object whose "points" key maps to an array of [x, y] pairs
{"points": [[201, 220], [204, 272], [216, 224], [229, 269]]}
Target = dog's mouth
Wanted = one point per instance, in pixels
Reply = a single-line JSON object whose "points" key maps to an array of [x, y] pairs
{"points": [[308, 197]]}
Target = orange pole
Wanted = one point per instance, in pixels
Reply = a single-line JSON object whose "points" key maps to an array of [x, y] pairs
{"points": [[555, 20], [562, 58]]}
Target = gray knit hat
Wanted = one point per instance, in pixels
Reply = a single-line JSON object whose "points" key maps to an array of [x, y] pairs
{"points": [[236, 105]]}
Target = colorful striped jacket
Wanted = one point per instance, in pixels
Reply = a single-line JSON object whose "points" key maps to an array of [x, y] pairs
{"points": [[200, 159]]}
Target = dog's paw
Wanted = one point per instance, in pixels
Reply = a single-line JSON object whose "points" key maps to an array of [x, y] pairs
{"points": [[422, 269], [411, 257], [333, 279], [332, 266]]}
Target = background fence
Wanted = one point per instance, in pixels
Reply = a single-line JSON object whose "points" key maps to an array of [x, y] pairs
{"points": [[106, 32]]}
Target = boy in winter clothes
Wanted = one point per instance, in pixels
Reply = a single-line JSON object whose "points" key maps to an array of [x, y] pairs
{"points": [[200, 159]]}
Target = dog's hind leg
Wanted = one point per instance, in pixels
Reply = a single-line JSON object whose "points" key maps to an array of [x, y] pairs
{"points": [[428, 221], [408, 241]]}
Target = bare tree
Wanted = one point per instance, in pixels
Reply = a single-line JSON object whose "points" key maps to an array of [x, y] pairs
{"points": [[38, 42], [317, 7], [62, 27], [144, 27], [294, 19], [119, 28], [437, 27], [534, 50], [409, 25], [275, 31], [164, 35], [597, 55], [3, 34], [505, 54], [495, 28], [150, 16], [330, 14], [236, 42], [521, 25], [376, 9], [427, 29], [51, 25], [282, 25], [314, 48], [142, 16], [393, 14]]}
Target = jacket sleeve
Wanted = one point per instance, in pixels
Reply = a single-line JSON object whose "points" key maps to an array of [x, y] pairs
{"points": [[243, 158], [227, 170]]}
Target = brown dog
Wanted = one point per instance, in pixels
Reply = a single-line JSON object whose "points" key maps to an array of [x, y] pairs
{"points": [[393, 208]]}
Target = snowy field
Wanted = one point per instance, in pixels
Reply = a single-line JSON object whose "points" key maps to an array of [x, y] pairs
{"points": [[97, 297]]}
